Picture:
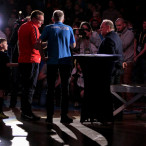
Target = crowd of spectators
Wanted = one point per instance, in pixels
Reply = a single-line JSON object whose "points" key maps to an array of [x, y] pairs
{"points": [[89, 11], [77, 10]]}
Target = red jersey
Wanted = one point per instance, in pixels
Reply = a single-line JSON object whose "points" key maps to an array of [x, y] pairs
{"points": [[28, 33]]}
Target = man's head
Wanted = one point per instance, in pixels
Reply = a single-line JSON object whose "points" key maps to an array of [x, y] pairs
{"points": [[37, 17], [120, 24], [58, 16], [106, 26], [3, 44]]}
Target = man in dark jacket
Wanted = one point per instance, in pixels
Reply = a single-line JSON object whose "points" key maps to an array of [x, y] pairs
{"points": [[111, 44]]}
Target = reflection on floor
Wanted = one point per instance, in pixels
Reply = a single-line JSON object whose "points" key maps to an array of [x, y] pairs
{"points": [[15, 132]]}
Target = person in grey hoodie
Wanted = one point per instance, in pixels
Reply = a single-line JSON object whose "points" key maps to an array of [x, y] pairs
{"points": [[127, 37]]}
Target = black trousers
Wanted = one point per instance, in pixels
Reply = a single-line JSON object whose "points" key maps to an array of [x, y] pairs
{"points": [[29, 74], [15, 86], [65, 72]]}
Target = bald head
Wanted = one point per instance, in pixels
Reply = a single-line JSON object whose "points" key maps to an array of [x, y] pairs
{"points": [[120, 24]]}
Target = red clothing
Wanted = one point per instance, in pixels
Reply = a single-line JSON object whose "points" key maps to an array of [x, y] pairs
{"points": [[27, 35]]}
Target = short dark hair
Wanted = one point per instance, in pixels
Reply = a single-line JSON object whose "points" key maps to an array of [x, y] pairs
{"points": [[122, 20], [36, 13]]}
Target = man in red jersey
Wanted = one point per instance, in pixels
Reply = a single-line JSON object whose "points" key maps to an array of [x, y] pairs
{"points": [[29, 59]]}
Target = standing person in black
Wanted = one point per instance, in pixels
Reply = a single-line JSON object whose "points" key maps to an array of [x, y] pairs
{"points": [[13, 46], [4, 73], [111, 44], [140, 55]]}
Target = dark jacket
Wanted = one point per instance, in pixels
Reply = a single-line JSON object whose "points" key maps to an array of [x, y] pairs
{"points": [[112, 44]]}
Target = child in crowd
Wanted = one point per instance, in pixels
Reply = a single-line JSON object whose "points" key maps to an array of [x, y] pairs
{"points": [[4, 73]]}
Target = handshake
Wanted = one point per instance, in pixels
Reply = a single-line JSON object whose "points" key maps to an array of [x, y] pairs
{"points": [[39, 45]]}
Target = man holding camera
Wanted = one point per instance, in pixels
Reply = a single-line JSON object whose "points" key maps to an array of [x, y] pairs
{"points": [[90, 40]]}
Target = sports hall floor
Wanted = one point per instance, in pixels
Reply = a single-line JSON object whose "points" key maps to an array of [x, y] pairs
{"points": [[131, 131]]}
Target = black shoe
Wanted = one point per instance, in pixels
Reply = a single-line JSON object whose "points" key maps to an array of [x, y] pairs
{"points": [[66, 119], [49, 120], [51, 132], [29, 117]]}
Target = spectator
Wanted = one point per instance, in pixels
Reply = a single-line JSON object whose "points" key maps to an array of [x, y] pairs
{"points": [[76, 31], [140, 55], [111, 13], [12, 19], [4, 73], [8, 33], [127, 37], [111, 44], [90, 40]]}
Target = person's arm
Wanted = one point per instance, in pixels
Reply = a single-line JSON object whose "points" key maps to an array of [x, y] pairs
{"points": [[43, 73], [107, 47], [73, 45], [142, 52], [72, 39], [58, 81], [135, 45], [39, 45], [127, 42], [124, 64], [42, 76]]}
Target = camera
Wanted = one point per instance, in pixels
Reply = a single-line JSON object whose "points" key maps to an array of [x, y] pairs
{"points": [[81, 32], [20, 19]]}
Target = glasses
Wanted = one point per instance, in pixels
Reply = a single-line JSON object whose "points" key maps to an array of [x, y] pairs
{"points": [[40, 20]]}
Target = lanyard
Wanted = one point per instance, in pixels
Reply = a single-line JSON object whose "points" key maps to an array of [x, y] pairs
{"points": [[142, 38]]}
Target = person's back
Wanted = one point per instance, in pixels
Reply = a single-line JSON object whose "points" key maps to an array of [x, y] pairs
{"points": [[114, 39], [58, 35], [60, 38]]}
